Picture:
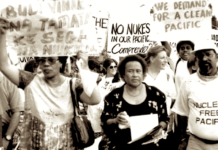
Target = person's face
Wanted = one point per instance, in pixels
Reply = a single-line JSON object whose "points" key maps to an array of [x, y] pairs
{"points": [[50, 66], [133, 73], [112, 69], [160, 60], [185, 51], [206, 60]]}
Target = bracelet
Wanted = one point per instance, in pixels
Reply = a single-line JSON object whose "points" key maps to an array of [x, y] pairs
{"points": [[183, 139]]}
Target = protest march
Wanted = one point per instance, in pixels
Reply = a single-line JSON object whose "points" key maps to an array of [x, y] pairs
{"points": [[108, 75]]}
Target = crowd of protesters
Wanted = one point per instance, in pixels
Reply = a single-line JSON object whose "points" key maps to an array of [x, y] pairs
{"points": [[183, 95]]}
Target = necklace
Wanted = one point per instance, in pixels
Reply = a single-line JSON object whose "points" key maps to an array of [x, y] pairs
{"points": [[134, 95]]}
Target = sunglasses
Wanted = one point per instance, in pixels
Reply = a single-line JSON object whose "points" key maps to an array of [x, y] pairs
{"points": [[111, 67], [187, 47], [201, 56], [50, 60]]}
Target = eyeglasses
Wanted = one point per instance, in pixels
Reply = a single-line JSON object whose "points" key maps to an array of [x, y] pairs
{"points": [[111, 67], [187, 47], [50, 60]]}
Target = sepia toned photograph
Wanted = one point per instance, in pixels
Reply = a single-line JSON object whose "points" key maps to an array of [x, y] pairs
{"points": [[109, 75]]}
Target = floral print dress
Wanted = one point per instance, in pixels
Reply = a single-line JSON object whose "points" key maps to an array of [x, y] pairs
{"points": [[155, 102]]}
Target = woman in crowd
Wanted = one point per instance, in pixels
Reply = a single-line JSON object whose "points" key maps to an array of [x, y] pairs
{"points": [[48, 103], [134, 98], [158, 76], [109, 81], [111, 76], [184, 49]]}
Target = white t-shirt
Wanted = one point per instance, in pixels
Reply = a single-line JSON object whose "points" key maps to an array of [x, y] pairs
{"points": [[181, 73], [198, 101], [94, 111], [50, 105], [164, 82], [11, 99]]}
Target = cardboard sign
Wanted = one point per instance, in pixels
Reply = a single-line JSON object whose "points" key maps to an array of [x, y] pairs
{"points": [[50, 28], [214, 37], [182, 20], [101, 26], [142, 124], [129, 36]]}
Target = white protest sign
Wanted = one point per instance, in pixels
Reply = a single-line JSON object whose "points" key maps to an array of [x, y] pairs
{"points": [[182, 20], [101, 26], [214, 37], [50, 28], [128, 32], [140, 125]]}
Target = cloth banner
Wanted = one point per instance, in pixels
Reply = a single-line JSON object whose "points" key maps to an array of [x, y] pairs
{"points": [[50, 28]]}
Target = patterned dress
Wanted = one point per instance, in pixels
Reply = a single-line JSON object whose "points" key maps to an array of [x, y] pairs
{"points": [[155, 104], [46, 124]]}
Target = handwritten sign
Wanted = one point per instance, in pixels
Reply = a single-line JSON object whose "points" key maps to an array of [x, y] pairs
{"points": [[101, 26], [182, 20], [50, 28], [129, 36]]}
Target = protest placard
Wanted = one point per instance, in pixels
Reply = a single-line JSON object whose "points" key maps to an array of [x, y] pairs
{"points": [[101, 26], [50, 28], [214, 37], [128, 32], [182, 20]]}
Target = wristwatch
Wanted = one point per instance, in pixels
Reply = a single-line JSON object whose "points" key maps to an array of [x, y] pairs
{"points": [[8, 137]]}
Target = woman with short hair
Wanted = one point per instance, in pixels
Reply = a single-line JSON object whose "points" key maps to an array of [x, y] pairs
{"points": [[134, 98]]}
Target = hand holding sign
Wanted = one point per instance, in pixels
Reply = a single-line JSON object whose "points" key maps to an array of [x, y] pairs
{"points": [[82, 61], [123, 120]]}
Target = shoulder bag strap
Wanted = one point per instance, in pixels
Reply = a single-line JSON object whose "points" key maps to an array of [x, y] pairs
{"points": [[73, 96]]}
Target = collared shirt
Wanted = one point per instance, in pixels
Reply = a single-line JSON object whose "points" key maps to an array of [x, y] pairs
{"points": [[198, 101]]}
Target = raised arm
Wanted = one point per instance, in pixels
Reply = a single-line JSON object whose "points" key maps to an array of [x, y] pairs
{"points": [[10, 71], [90, 94], [90, 100]]}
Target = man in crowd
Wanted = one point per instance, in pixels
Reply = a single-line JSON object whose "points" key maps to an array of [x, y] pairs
{"points": [[12, 104], [198, 101], [184, 49]]}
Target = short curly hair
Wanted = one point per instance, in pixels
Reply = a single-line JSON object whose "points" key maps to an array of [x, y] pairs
{"points": [[122, 65]]}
